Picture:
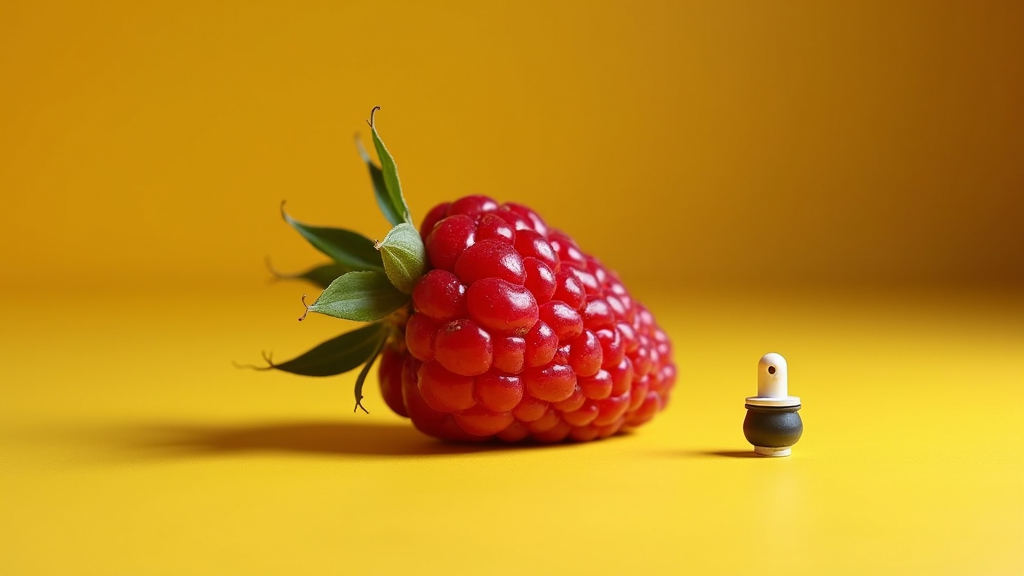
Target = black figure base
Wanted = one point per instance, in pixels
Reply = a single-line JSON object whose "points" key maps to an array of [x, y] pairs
{"points": [[772, 429]]}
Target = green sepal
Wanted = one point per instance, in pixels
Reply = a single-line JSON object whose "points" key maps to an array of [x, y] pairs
{"points": [[361, 379], [405, 257], [380, 188], [321, 275], [362, 296], [344, 246], [337, 355], [390, 174]]}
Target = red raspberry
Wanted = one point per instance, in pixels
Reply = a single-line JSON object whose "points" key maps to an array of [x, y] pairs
{"points": [[499, 364], [512, 331]]}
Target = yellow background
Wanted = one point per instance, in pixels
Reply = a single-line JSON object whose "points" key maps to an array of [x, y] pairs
{"points": [[838, 182]]}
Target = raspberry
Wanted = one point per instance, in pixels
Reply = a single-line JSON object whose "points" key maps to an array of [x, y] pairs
{"points": [[576, 365], [491, 324]]}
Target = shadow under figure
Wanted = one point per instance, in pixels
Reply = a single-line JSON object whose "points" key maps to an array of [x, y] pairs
{"points": [[732, 453]]}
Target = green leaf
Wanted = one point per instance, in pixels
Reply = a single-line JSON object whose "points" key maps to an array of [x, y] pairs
{"points": [[390, 171], [405, 257], [361, 296], [380, 188], [338, 355], [321, 275], [344, 246]]}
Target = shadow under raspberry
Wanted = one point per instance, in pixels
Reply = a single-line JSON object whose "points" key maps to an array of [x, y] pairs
{"points": [[324, 438]]}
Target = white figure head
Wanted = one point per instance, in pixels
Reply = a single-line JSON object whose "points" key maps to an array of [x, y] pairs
{"points": [[771, 377], [773, 383]]}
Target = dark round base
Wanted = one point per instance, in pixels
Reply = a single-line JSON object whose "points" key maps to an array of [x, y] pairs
{"points": [[772, 427]]}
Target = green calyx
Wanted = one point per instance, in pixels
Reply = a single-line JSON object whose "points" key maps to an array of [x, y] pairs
{"points": [[405, 259], [365, 281]]}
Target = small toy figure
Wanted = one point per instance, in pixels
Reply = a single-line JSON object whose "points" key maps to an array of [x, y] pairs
{"points": [[772, 424]]}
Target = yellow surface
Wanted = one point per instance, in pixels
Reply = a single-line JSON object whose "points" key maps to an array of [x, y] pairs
{"points": [[837, 182], [139, 449]]}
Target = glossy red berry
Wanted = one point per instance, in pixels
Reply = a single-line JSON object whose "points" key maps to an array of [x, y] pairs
{"points": [[517, 333]]}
